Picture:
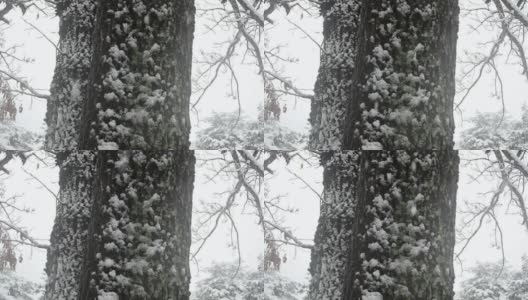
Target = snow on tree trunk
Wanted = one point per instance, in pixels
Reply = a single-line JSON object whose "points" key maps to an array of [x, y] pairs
{"points": [[333, 85], [69, 235], [70, 82], [333, 235], [141, 70], [404, 76], [134, 228], [386, 81], [403, 231]]}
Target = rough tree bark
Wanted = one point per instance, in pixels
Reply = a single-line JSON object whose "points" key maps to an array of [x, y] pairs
{"points": [[403, 233], [70, 81], [122, 82], [69, 236], [334, 86], [141, 70], [123, 228], [393, 89], [123, 73], [404, 78], [334, 230]]}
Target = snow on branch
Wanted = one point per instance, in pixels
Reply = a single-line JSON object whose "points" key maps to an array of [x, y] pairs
{"points": [[253, 11], [25, 85], [517, 12], [289, 236], [521, 166], [25, 235]]}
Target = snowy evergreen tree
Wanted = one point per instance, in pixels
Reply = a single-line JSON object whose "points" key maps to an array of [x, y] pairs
{"points": [[12, 287], [227, 281], [230, 131], [495, 281], [496, 131]]}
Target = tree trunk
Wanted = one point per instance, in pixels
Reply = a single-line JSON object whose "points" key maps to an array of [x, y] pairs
{"points": [[123, 75], [70, 81], [333, 235], [403, 231], [133, 232], [386, 81], [333, 85], [141, 70], [69, 236], [404, 77]]}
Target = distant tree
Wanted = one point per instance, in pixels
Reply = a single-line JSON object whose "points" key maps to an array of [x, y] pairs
{"points": [[279, 137], [225, 283], [489, 282], [13, 287], [493, 281], [230, 131], [234, 131], [518, 286], [496, 131]]}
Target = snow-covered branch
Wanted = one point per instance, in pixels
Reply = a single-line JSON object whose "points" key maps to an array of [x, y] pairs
{"points": [[25, 85], [25, 235], [517, 12]]}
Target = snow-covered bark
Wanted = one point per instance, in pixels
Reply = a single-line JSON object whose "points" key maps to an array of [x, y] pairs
{"points": [[140, 74], [122, 79], [403, 230], [404, 76], [123, 226], [70, 231], [334, 85], [386, 79], [70, 82], [388, 84], [333, 235], [387, 225]]}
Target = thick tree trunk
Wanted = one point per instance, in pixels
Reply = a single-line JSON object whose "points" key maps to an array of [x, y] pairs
{"points": [[404, 77], [334, 85], [70, 82], [130, 237], [403, 232], [386, 81], [123, 73], [141, 70], [333, 235], [387, 226], [70, 235]]}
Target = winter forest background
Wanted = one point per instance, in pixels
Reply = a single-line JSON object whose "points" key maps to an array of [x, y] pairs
{"points": [[250, 129]]}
